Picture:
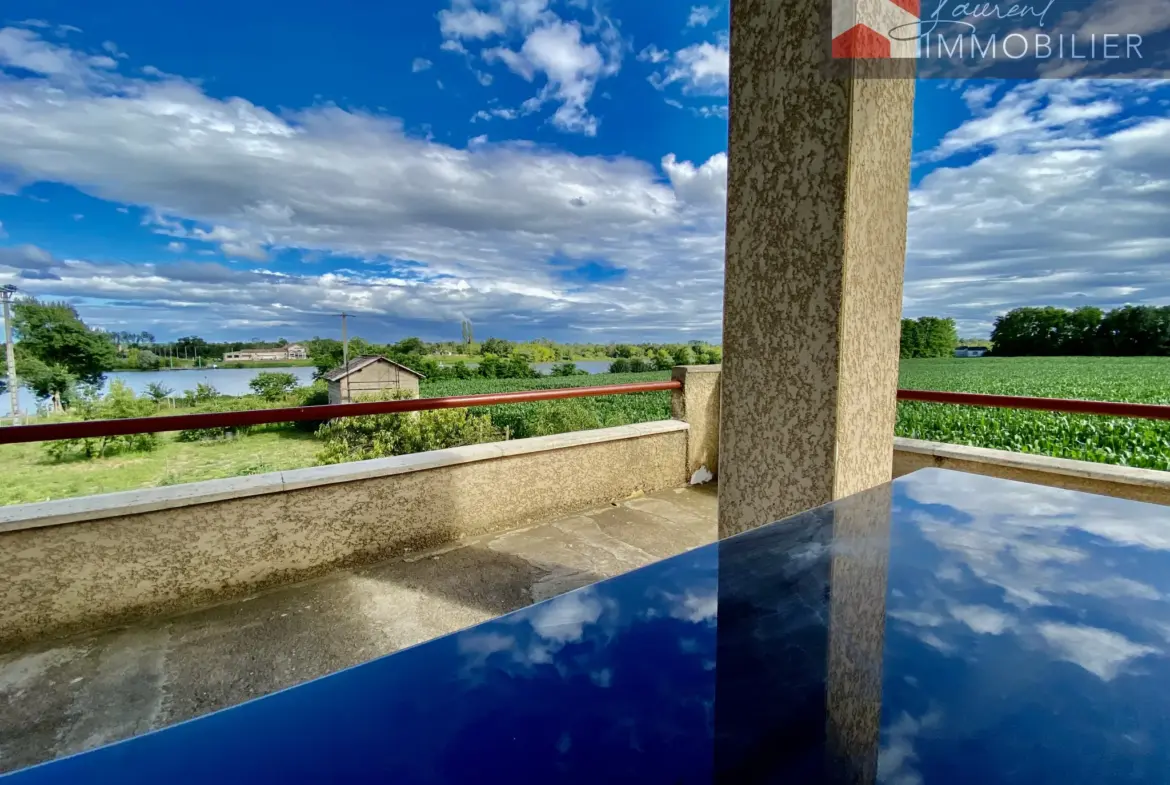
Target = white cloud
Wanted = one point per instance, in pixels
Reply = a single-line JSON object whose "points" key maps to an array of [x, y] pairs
{"points": [[176, 247], [465, 21], [705, 184], [420, 64], [452, 45], [701, 15], [702, 68], [564, 619], [696, 607], [982, 619], [652, 54], [1101, 652], [345, 183], [1061, 205], [570, 55]]}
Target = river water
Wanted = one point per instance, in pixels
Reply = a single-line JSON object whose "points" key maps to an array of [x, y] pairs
{"points": [[229, 381]]}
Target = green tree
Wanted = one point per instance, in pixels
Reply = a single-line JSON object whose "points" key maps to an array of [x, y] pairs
{"points": [[496, 346], [928, 336], [55, 349], [325, 353], [273, 387], [409, 346], [158, 392], [148, 360], [620, 365], [624, 350], [468, 334], [683, 355]]}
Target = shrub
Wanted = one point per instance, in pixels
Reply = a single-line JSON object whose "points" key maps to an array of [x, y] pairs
{"points": [[273, 387], [620, 365], [567, 369], [119, 403], [316, 394], [383, 435]]}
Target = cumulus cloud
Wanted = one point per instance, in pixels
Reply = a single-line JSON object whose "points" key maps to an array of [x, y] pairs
{"points": [[703, 68], [701, 14], [1043, 197], [478, 225], [420, 64], [569, 56]]}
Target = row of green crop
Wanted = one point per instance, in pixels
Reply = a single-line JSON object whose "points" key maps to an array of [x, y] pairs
{"points": [[1129, 442]]}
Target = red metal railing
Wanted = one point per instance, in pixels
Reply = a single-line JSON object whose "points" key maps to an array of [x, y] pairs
{"points": [[181, 422], [1149, 411]]}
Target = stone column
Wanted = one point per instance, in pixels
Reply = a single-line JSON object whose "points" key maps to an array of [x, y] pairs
{"points": [[818, 182], [697, 404]]}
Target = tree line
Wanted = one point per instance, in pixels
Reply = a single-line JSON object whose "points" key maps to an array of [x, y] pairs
{"points": [[59, 356], [1132, 330]]}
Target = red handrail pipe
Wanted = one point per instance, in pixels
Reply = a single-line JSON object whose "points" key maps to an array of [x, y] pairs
{"points": [[180, 422], [1148, 411]]}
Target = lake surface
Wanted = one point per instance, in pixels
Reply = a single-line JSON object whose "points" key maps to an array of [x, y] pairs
{"points": [[229, 381]]}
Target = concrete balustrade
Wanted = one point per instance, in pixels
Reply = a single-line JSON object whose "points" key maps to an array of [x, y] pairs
{"points": [[79, 564]]}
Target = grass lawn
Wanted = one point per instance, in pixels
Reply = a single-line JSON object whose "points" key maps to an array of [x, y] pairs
{"points": [[30, 477]]}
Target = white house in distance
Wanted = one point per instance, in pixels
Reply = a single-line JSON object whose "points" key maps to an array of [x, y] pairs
{"points": [[970, 351], [293, 351], [369, 375]]}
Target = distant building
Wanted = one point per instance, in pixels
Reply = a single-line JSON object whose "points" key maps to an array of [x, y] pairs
{"points": [[370, 375], [294, 351], [970, 351]]}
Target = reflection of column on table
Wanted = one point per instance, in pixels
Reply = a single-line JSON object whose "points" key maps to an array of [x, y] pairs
{"points": [[857, 619]]}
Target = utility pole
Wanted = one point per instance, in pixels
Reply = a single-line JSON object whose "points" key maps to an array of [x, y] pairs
{"points": [[6, 293], [344, 361]]}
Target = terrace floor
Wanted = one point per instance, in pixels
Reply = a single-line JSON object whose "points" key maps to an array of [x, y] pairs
{"points": [[73, 694]]}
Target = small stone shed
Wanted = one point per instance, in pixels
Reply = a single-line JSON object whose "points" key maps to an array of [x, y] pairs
{"points": [[369, 375]]}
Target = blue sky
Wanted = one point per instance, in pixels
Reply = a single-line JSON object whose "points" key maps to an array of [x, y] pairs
{"points": [[543, 167]]}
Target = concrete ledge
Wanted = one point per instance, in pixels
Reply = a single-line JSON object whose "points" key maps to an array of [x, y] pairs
{"points": [[1123, 482], [80, 564], [111, 505]]}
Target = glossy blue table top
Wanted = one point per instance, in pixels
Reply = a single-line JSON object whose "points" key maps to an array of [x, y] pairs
{"points": [[945, 628]]}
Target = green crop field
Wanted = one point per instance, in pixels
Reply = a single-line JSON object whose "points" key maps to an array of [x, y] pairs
{"points": [[1129, 442]]}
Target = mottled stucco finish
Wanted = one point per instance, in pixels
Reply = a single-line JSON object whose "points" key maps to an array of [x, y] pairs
{"points": [[1122, 482], [697, 404], [80, 576], [818, 183]]}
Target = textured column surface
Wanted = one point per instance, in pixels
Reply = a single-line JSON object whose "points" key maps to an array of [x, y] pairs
{"points": [[818, 182], [697, 404]]}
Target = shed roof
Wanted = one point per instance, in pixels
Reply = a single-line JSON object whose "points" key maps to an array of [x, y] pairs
{"points": [[358, 363]]}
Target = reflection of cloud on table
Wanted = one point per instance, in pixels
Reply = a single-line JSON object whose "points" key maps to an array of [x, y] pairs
{"points": [[1100, 652]]}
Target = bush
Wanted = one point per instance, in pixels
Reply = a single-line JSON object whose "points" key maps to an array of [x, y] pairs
{"points": [[273, 387], [567, 369], [220, 403], [620, 365], [119, 403], [316, 394], [383, 435]]}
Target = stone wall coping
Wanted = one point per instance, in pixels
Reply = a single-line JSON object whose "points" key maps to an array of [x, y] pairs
{"points": [[1103, 472], [689, 369], [110, 505]]}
